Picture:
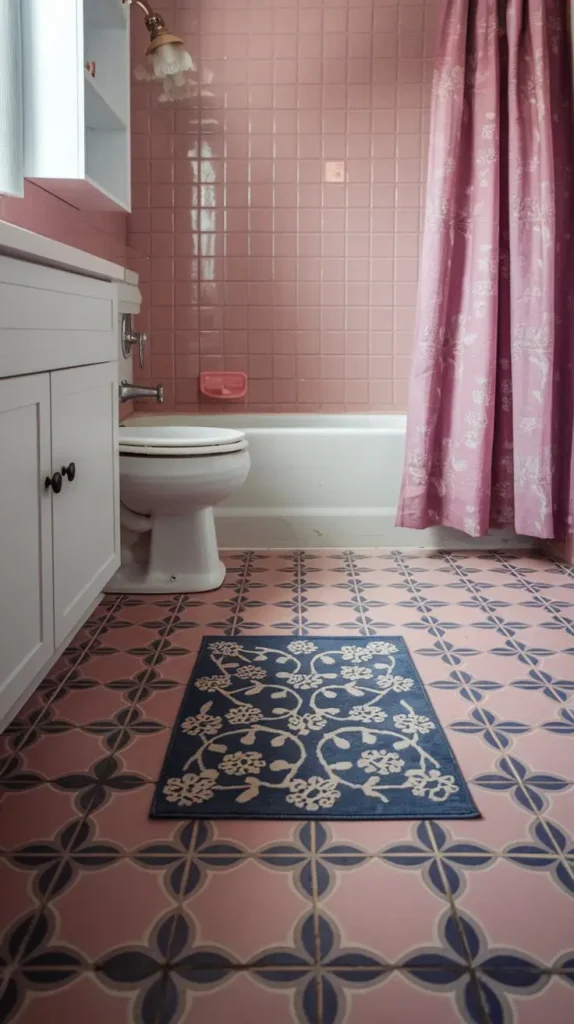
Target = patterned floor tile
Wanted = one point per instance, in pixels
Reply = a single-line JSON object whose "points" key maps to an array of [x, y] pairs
{"points": [[398, 1000], [90, 704], [547, 749], [247, 908], [33, 815], [145, 741], [107, 665], [242, 999], [322, 908], [521, 908], [562, 810], [126, 822], [75, 752], [141, 896], [18, 897], [503, 820], [83, 999], [553, 1004], [376, 892]]}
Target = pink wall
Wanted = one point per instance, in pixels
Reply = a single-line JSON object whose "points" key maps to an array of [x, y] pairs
{"points": [[101, 234], [250, 259]]}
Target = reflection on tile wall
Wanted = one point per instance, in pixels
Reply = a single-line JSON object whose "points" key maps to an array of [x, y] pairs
{"points": [[278, 215]]}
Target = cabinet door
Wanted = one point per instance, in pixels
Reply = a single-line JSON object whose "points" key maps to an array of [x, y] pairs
{"points": [[86, 512], [26, 610]]}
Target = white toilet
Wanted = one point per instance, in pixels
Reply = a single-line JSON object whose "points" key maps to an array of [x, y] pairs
{"points": [[170, 479]]}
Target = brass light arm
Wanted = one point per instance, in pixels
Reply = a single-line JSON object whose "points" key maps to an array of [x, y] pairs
{"points": [[154, 22]]}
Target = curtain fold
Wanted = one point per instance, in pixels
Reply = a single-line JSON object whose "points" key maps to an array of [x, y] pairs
{"points": [[11, 113], [491, 409]]}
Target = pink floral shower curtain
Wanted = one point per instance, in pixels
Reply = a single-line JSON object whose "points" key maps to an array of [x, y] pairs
{"points": [[491, 405]]}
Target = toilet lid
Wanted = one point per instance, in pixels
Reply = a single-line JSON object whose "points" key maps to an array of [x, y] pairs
{"points": [[180, 440]]}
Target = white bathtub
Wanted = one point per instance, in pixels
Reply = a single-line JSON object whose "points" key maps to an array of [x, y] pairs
{"points": [[321, 481]]}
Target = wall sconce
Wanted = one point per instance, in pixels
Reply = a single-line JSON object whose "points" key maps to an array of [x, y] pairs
{"points": [[168, 58]]}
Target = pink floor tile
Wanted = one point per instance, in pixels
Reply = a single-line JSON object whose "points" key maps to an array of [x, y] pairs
{"points": [[503, 821], [205, 613], [135, 899], [83, 1000], [474, 756], [509, 703], [33, 815], [254, 836], [127, 824], [553, 1004], [17, 895], [145, 754], [162, 705], [544, 751], [493, 667], [521, 909], [89, 705], [107, 668], [375, 893], [74, 752], [247, 909], [125, 638], [244, 999], [370, 836], [449, 706], [562, 811], [397, 1000]]}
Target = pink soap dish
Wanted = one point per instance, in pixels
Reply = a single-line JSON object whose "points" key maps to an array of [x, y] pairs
{"points": [[224, 385]]}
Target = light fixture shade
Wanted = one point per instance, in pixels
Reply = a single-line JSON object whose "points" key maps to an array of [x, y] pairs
{"points": [[171, 60]]}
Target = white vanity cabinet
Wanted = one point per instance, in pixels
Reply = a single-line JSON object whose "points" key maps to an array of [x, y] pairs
{"points": [[85, 520], [26, 592], [59, 464]]}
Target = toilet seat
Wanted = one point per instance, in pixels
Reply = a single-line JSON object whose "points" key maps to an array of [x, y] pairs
{"points": [[180, 441]]}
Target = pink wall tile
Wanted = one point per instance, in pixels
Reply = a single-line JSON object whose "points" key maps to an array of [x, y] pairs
{"points": [[252, 257], [102, 234]]}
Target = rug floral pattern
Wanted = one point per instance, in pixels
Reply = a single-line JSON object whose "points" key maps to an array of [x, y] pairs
{"points": [[278, 727]]}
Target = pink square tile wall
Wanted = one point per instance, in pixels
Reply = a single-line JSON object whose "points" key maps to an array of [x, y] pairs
{"points": [[102, 234], [277, 216]]}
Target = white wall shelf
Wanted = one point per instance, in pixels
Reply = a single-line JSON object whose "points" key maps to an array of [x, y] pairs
{"points": [[77, 127]]}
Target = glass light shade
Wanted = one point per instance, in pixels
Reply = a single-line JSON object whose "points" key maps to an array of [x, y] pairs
{"points": [[170, 64], [171, 60]]}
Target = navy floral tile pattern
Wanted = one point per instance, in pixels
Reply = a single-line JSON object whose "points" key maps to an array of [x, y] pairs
{"points": [[108, 916], [273, 728]]}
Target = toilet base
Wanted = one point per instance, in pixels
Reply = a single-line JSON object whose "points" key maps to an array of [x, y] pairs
{"points": [[135, 579], [181, 558]]}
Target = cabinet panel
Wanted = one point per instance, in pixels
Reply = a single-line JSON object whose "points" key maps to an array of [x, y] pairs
{"points": [[50, 319], [26, 600], [86, 512], [77, 127]]}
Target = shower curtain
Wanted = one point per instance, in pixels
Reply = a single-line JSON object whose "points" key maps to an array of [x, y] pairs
{"points": [[491, 403]]}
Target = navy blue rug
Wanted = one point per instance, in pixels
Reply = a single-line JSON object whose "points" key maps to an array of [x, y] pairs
{"points": [[329, 727]]}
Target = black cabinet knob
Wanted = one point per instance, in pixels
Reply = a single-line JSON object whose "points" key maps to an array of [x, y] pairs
{"points": [[69, 471], [55, 482]]}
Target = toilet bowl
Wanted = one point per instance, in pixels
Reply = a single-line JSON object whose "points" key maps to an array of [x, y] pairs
{"points": [[170, 479]]}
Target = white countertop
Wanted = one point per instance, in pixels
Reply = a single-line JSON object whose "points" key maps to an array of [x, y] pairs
{"points": [[24, 244]]}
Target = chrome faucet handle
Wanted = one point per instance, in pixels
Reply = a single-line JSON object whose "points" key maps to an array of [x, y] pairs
{"points": [[141, 340], [131, 338]]}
